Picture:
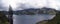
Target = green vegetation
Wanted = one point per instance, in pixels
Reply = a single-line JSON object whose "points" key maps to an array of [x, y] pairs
{"points": [[55, 20], [27, 13], [3, 18]]}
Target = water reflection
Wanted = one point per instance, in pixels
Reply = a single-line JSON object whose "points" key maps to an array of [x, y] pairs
{"points": [[30, 19]]}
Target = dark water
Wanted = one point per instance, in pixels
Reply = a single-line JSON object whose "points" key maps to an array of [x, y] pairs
{"points": [[30, 19]]}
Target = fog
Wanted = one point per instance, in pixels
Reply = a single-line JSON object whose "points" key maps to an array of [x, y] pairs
{"points": [[30, 3], [4, 5]]}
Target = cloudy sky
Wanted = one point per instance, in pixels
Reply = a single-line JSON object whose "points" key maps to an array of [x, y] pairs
{"points": [[36, 3]]}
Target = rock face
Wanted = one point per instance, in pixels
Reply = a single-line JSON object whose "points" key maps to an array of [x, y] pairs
{"points": [[10, 15], [33, 11]]}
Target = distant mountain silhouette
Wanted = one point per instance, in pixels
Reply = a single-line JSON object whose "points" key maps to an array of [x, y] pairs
{"points": [[33, 11]]}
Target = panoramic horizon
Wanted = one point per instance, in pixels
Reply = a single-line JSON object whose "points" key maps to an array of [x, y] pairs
{"points": [[29, 11]]}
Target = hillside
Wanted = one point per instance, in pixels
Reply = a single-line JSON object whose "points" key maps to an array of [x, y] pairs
{"points": [[32, 11], [55, 20], [3, 18]]}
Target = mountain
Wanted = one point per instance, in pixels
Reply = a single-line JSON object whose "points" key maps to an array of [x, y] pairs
{"points": [[32, 11]]}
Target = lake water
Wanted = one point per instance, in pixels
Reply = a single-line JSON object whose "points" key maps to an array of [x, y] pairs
{"points": [[30, 19]]}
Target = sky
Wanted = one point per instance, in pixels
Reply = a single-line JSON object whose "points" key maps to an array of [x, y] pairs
{"points": [[36, 3]]}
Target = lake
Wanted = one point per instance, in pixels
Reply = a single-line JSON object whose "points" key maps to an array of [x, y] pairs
{"points": [[31, 19]]}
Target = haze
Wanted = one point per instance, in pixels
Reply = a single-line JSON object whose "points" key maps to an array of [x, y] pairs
{"points": [[36, 3]]}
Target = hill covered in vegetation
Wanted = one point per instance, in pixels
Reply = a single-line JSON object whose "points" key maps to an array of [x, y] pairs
{"points": [[55, 20], [3, 18], [32, 11]]}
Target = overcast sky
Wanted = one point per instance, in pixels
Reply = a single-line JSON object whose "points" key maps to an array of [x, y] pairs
{"points": [[36, 3]]}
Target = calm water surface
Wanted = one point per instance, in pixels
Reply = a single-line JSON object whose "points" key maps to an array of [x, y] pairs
{"points": [[30, 19]]}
